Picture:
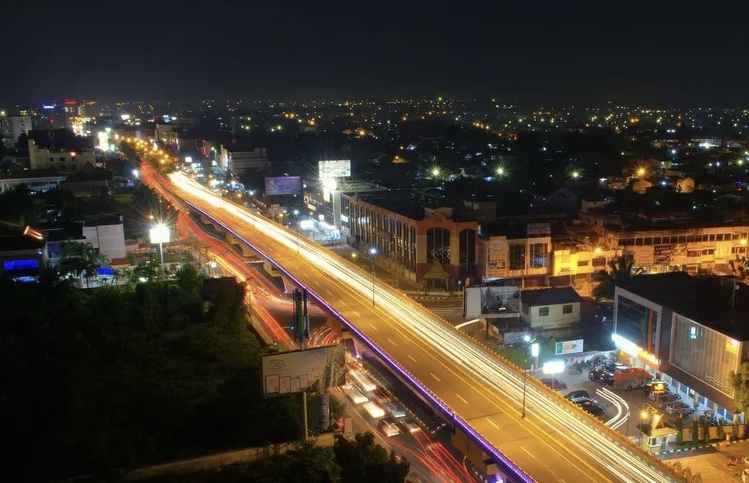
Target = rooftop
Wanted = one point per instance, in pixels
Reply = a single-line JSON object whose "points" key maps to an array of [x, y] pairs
{"points": [[721, 303], [408, 203], [550, 296]]}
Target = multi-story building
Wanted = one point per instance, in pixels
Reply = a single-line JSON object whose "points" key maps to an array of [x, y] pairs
{"points": [[423, 240], [11, 127], [689, 331], [680, 245], [60, 150]]}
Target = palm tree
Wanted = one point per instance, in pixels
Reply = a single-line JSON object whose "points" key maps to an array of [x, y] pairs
{"points": [[80, 259], [621, 274]]}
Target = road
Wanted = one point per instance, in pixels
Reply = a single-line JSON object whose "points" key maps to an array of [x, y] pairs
{"points": [[554, 442]]}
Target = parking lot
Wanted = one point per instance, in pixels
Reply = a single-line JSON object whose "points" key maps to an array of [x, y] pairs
{"points": [[717, 463], [633, 401]]}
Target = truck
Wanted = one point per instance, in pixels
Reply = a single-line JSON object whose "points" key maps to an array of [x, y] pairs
{"points": [[631, 378]]}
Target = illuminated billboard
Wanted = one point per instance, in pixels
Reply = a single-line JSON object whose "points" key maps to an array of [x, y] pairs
{"points": [[295, 371], [284, 185], [336, 168]]}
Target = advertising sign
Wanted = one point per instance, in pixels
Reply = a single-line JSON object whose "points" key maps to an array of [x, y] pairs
{"points": [[568, 347], [536, 230], [662, 254], [284, 185], [337, 168], [295, 371]]}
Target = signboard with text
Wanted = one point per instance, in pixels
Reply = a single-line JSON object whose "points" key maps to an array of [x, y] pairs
{"points": [[568, 347], [537, 230], [283, 185], [296, 371], [336, 168]]}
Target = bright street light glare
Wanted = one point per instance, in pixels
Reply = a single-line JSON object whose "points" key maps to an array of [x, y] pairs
{"points": [[159, 234]]}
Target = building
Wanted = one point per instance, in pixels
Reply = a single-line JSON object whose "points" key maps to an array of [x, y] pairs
{"points": [[11, 128], [37, 181], [250, 159], [550, 308], [106, 234], [669, 242], [60, 150], [688, 331], [515, 250], [23, 254], [421, 239]]}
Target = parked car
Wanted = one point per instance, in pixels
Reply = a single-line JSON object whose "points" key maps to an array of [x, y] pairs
{"points": [[554, 383], [683, 411], [678, 406], [576, 394], [589, 405], [667, 398]]}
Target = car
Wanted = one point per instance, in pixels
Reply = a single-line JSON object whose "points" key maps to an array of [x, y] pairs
{"points": [[388, 427], [554, 383], [588, 405], [410, 426], [678, 407], [681, 411], [395, 410], [576, 394], [666, 398]]}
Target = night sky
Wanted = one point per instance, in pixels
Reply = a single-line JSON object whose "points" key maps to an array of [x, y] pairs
{"points": [[559, 52]]}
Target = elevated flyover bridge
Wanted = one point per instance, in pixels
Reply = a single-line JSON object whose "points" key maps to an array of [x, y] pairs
{"points": [[479, 393]]}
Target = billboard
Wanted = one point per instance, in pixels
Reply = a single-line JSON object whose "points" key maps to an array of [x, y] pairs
{"points": [[568, 347], [493, 302], [295, 371], [283, 185], [336, 168]]}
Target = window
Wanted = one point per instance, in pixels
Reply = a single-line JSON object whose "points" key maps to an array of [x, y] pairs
{"points": [[648, 241], [517, 256], [583, 263], [543, 311], [719, 237], [567, 309], [539, 255], [712, 238]]}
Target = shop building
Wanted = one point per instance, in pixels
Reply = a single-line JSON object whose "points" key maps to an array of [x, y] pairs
{"points": [[691, 332]]}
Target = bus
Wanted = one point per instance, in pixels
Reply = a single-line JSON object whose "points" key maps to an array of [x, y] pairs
{"points": [[362, 380], [354, 394]]}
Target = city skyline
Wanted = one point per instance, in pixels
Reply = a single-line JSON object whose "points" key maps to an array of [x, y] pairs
{"points": [[540, 53]]}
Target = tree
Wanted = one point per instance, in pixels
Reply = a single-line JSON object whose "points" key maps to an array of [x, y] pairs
{"points": [[363, 461], [621, 274], [80, 259], [739, 382]]}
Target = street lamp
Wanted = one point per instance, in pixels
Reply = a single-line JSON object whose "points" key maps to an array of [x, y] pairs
{"points": [[534, 353], [373, 252], [296, 228], [435, 173], [500, 171], [160, 234], [213, 266]]}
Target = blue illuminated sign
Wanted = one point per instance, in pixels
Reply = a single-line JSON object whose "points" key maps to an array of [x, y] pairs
{"points": [[28, 264], [106, 271]]}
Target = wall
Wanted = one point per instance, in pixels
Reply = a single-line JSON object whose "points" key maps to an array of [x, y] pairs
{"points": [[556, 317], [109, 239], [63, 162], [215, 461]]}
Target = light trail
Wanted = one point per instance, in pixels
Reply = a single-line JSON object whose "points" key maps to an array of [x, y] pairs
{"points": [[595, 441]]}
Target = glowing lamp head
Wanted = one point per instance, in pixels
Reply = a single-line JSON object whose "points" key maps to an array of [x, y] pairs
{"points": [[435, 172], [160, 234], [373, 251]]}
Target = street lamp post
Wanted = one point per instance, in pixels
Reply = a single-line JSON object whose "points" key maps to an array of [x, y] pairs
{"points": [[373, 252], [534, 353], [296, 228], [435, 174]]}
